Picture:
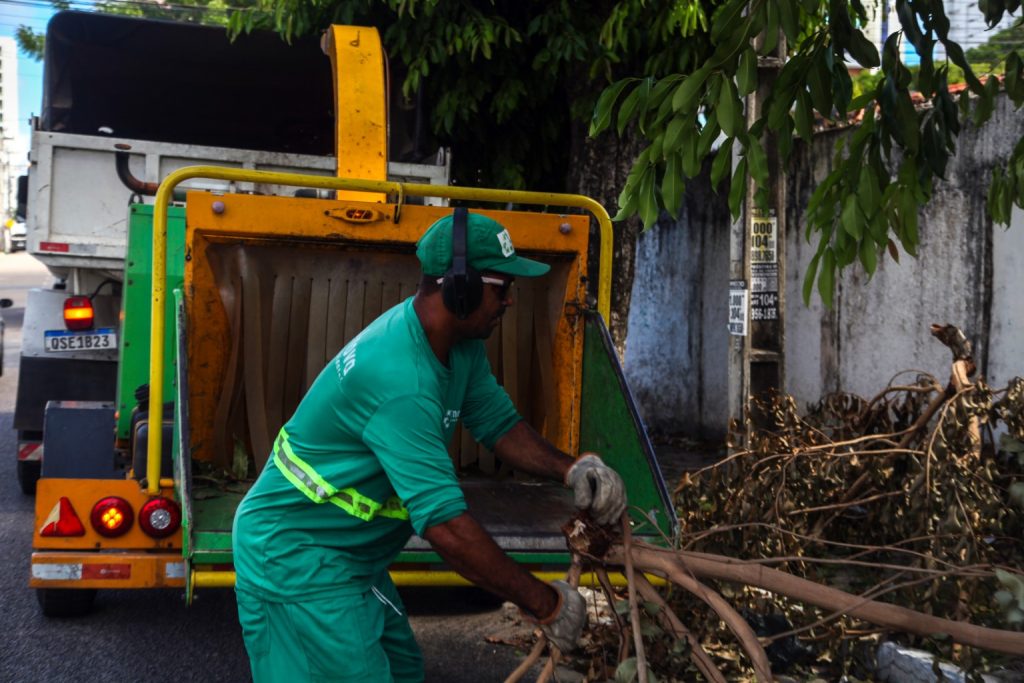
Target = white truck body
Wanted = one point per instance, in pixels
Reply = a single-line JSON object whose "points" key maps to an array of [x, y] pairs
{"points": [[78, 208]]}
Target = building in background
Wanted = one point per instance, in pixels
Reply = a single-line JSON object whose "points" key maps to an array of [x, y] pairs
{"points": [[13, 149], [966, 27]]}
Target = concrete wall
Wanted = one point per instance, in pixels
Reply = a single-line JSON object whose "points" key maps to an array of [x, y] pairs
{"points": [[969, 273], [675, 356]]}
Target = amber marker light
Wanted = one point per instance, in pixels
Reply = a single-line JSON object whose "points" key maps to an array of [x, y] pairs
{"points": [[112, 517]]}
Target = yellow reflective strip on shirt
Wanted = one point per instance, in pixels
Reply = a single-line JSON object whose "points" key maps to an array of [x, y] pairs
{"points": [[393, 509], [316, 483], [290, 476], [318, 490], [343, 499]]}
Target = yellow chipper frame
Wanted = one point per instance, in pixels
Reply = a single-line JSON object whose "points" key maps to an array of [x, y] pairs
{"points": [[262, 291]]}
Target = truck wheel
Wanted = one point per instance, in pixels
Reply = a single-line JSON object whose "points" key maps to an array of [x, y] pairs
{"points": [[28, 475], [65, 602]]}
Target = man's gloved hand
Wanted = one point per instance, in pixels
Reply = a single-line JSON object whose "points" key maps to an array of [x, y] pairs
{"points": [[597, 488], [564, 626]]}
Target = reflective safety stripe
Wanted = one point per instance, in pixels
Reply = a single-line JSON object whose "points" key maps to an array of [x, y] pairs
{"points": [[317, 489]]}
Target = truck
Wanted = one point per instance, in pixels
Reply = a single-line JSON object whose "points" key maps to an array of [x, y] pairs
{"points": [[232, 304], [157, 96]]}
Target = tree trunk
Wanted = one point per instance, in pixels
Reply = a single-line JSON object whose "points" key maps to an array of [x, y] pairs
{"points": [[598, 168]]}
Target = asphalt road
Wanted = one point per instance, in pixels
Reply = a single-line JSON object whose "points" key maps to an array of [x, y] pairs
{"points": [[151, 635]]}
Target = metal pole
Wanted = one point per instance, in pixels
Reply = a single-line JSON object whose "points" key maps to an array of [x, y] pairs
{"points": [[757, 271]]}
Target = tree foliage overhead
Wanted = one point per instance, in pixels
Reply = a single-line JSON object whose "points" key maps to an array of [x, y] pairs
{"points": [[504, 79], [503, 82], [884, 171]]}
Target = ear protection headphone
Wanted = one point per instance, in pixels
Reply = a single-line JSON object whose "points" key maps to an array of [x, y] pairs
{"points": [[462, 290]]}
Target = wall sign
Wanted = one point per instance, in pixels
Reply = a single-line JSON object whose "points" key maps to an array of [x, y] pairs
{"points": [[738, 307]]}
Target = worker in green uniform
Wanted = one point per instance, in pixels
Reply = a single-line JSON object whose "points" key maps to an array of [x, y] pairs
{"points": [[363, 464]]}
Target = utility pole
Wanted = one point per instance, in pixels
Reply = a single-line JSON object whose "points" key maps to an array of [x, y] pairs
{"points": [[757, 270]]}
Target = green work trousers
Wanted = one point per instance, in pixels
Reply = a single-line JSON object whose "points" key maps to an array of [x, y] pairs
{"points": [[358, 636]]}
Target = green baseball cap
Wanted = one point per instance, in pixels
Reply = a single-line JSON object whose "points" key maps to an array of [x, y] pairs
{"points": [[488, 247]]}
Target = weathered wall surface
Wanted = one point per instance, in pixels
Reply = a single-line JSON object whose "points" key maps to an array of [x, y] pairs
{"points": [[677, 338], [969, 273]]}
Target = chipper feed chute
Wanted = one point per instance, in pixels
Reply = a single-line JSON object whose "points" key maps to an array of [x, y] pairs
{"points": [[274, 287]]}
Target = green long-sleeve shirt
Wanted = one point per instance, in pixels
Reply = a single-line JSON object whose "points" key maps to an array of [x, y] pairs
{"points": [[377, 419]]}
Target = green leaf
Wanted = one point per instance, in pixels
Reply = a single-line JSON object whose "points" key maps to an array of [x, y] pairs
{"points": [[647, 202], [788, 19], [729, 108], [727, 19], [771, 30], [746, 73], [634, 101], [1013, 84], [691, 159], [674, 133], [812, 270], [803, 117], [819, 80], [863, 50], [986, 102], [627, 203], [868, 194], [758, 161], [603, 110], [852, 218], [738, 188], [956, 55], [672, 185], [722, 164], [708, 134], [827, 277], [685, 98], [869, 256], [908, 219]]}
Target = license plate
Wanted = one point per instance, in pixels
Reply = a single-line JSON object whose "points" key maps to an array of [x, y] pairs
{"points": [[62, 341]]}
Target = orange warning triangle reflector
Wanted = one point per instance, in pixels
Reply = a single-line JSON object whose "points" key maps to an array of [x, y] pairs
{"points": [[62, 521]]}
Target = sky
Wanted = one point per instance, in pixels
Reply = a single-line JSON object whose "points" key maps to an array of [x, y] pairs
{"points": [[35, 14]]}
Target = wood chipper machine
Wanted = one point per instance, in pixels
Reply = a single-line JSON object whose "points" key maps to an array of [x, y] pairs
{"points": [[234, 304]]}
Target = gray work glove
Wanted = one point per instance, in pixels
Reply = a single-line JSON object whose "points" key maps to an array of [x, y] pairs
{"points": [[564, 626], [597, 488]]}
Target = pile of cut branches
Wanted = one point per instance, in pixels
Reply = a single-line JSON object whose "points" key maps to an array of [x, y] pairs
{"points": [[901, 514]]}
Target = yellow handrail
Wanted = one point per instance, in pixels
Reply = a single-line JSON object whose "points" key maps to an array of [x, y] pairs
{"points": [[165, 192]]}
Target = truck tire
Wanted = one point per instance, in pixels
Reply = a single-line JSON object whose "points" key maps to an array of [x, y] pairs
{"points": [[65, 602], [28, 475]]}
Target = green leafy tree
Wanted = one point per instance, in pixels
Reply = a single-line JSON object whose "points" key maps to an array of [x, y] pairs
{"points": [[511, 86], [686, 67], [884, 171]]}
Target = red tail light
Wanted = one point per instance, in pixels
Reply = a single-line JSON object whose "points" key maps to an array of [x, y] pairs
{"points": [[62, 521], [160, 517], [112, 517], [78, 313]]}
